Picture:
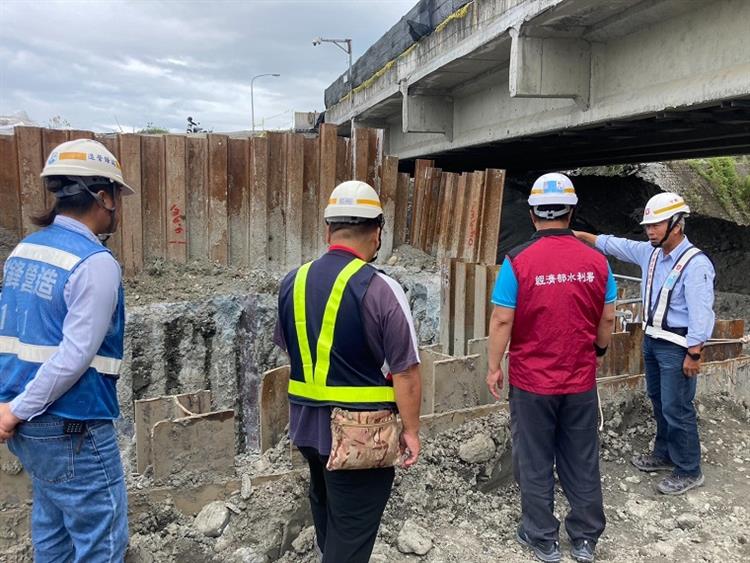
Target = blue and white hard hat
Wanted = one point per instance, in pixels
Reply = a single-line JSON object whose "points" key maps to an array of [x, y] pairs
{"points": [[553, 189]]}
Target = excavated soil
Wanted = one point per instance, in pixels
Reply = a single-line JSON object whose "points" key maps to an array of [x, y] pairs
{"points": [[454, 511]]}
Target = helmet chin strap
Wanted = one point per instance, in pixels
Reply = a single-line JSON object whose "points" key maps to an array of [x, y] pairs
{"points": [[104, 237], [672, 223], [380, 243]]}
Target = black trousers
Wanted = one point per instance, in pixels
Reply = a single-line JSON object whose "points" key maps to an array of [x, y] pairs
{"points": [[347, 507], [561, 431]]}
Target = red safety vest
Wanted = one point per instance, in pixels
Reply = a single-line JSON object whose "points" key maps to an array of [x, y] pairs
{"points": [[561, 290]]}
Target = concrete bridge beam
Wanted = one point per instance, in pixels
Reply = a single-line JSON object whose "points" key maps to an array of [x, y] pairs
{"points": [[550, 67], [425, 113]]}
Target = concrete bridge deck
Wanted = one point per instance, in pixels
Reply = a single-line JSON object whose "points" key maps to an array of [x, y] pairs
{"points": [[555, 83]]}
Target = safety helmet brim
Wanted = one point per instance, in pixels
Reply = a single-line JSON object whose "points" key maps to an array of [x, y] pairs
{"points": [[72, 170], [85, 158], [655, 220]]}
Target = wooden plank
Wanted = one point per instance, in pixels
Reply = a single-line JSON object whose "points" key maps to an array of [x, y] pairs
{"points": [[112, 143], [492, 271], [176, 198], [274, 406], [238, 204], [388, 187], [428, 358], [132, 213], [30, 164], [431, 186], [277, 143], [295, 170], [10, 189], [447, 304], [147, 412], [481, 274], [375, 158], [328, 146], [400, 224], [343, 160], [80, 134], [361, 151], [153, 174], [311, 232], [446, 221], [729, 328], [417, 208], [478, 347], [197, 195], [463, 299], [459, 216], [175, 443], [458, 384], [51, 138], [489, 237], [434, 227], [473, 226], [218, 230], [258, 240]]}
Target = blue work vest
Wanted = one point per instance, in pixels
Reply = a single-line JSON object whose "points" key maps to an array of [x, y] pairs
{"points": [[320, 311], [32, 311]]}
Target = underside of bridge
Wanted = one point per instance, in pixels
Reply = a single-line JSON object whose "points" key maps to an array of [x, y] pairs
{"points": [[719, 129], [551, 84]]}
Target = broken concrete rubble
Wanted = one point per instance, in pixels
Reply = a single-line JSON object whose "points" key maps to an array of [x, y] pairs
{"points": [[212, 519], [413, 538], [478, 449]]}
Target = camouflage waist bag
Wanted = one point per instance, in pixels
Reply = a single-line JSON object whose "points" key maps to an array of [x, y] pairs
{"points": [[363, 439]]}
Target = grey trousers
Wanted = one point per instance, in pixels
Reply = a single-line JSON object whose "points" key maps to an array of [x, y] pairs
{"points": [[559, 431]]}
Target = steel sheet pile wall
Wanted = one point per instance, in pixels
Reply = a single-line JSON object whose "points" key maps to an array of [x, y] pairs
{"points": [[237, 201], [457, 216]]}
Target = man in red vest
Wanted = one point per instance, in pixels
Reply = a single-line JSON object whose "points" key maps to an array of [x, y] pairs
{"points": [[554, 301]]}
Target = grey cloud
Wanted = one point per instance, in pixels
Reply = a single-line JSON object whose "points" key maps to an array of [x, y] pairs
{"points": [[144, 61]]}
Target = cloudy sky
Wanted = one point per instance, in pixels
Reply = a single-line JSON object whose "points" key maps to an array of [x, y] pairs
{"points": [[101, 63]]}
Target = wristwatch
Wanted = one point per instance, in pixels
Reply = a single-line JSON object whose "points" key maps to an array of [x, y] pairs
{"points": [[696, 356]]}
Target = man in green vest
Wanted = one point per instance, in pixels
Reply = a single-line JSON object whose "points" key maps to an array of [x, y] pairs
{"points": [[351, 342]]}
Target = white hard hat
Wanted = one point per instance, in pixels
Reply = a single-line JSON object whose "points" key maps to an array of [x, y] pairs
{"points": [[353, 200], [553, 189], [662, 207], [85, 157]]}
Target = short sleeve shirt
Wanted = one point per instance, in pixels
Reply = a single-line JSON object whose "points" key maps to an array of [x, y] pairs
{"points": [[390, 334], [506, 287]]}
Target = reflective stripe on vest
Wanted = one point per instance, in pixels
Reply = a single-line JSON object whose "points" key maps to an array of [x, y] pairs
{"points": [[315, 385], [37, 354], [47, 254], [654, 318]]}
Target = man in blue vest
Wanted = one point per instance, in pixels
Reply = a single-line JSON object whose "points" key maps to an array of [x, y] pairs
{"points": [[678, 318], [62, 320], [351, 342]]}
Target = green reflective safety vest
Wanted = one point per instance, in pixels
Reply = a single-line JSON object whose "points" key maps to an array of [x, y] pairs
{"points": [[315, 387]]}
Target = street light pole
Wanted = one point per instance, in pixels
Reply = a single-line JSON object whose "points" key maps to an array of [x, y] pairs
{"points": [[252, 99], [346, 46]]}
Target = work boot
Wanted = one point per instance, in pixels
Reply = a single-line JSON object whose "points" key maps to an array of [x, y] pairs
{"points": [[678, 484], [649, 463], [548, 551], [583, 550]]}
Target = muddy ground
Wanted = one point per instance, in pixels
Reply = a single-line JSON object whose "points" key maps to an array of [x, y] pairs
{"points": [[450, 510]]}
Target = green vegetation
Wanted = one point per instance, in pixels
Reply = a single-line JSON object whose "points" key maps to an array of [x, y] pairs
{"points": [[729, 177], [152, 129]]}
